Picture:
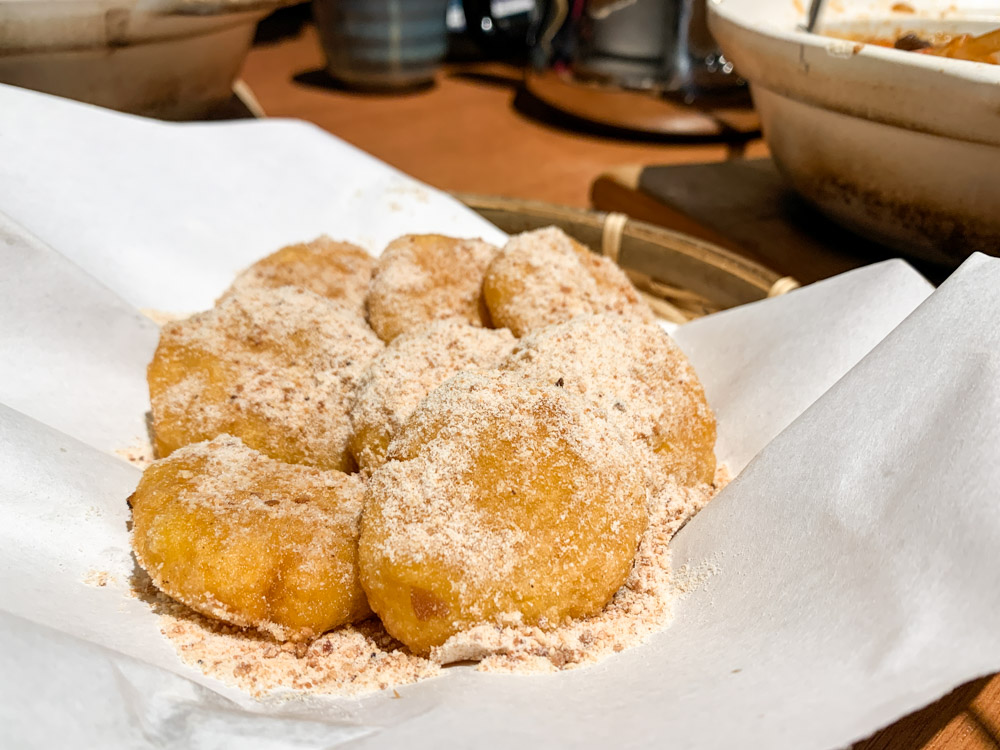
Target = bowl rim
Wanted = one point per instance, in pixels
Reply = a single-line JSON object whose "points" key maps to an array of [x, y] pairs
{"points": [[955, 99], [728, 11]]}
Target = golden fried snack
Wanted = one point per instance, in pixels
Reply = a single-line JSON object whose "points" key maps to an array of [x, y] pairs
{"points": [[545, 277], [251, 541], [413, 365], [506, 498], [425, 277], [274, 367], [632, 371], [338, 270]]}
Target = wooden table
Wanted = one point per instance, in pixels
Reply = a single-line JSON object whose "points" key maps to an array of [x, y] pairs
{"points": [[468, 134], [464, 134]]}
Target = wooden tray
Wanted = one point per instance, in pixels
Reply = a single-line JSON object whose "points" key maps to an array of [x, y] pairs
{"points": [[683, 277], [640, 111]]}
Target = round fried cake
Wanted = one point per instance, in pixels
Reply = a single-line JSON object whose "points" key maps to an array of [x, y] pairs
{"points": [[251, 541], [275, 367], [413, 365], [545, 277], [502, 497], [425, 277], [633, 372], [338, 270]]}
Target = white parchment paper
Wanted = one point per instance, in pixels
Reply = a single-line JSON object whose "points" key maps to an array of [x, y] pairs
{"points": [[855, 556]]}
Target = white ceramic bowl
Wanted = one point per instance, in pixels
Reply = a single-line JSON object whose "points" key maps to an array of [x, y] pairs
{"points": [[902, 147], [173, 59]]}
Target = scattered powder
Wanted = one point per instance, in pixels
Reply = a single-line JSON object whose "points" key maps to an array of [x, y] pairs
{"points": [[139, 452], [545, 277], [363, 658], [412, 366], [98, 578], [425, 277], [350, 660], [160, 317], [408, 190]]}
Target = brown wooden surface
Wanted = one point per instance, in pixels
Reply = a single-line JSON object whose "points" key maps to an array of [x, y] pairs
{"points": [[636, 110], [463, 134], [743, 205], [466, 134]]}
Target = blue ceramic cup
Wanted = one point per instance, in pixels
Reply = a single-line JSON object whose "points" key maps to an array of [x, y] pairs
{"points": [[382, 44]]}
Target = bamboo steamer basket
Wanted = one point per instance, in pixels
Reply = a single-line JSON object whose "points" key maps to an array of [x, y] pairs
{"points": [[682, 278]]}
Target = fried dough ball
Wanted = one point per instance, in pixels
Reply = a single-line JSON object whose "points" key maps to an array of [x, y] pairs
{"points": [[545, 277], [503, 498], [633, 372], [424, 277], [275, 367], [251, 541], [338, 270], [412, 366]]}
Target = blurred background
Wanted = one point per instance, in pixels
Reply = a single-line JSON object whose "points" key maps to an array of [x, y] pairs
{"points": [[808, 139]]}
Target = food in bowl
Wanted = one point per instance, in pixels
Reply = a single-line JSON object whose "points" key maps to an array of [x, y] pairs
{"points": [[984, 48], [901, 147]]}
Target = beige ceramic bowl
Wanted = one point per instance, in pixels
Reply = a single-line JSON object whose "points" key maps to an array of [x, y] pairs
{"points": [[174, 59], [902, 147]]}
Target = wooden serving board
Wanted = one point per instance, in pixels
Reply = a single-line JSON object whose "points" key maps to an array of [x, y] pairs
{"points": [[639, 111], [743, 205]]}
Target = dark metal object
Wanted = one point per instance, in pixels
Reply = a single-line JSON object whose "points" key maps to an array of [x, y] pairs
{"points": [[815, 7]]}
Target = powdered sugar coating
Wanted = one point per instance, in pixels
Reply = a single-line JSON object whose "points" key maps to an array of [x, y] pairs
{"points": [[412, 366], [500, 495], [276, 367], [424, 277], [545, 276], [250, 540], [338, 270], [635, 373]]}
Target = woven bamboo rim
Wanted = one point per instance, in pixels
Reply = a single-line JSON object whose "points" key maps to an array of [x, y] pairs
{"points": [[682, 277]]}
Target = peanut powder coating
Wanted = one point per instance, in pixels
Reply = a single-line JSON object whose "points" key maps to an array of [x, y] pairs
{"points": [[545, 277], [363, 658], [250, 540], [338, 270], [500, 496], [425, 277], [638, 376], [412, 366], [371, 470], [275, 367]]}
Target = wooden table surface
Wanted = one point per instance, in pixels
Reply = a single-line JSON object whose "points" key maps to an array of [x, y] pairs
{"points": [[473, 132]]}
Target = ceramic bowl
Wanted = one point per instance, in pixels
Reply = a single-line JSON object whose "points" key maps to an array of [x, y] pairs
{"points": [[901, 147], [161, 58]]}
